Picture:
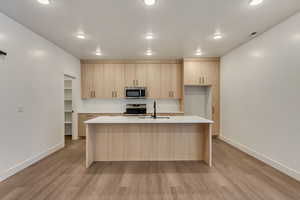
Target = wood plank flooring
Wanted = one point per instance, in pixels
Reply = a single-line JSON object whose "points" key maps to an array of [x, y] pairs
{"points": [[234, 176]]}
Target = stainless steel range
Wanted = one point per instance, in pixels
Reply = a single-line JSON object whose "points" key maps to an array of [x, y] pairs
{"points": [[136, 109]]}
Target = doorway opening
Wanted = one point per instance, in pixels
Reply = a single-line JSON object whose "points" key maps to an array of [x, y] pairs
{"points": [[68, 108]]}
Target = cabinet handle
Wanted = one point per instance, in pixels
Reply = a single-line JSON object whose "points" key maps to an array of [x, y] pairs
{"points": [[92, 94]]}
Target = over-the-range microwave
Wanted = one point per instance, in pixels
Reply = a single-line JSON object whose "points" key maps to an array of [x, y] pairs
{"points": [[135, 92]]}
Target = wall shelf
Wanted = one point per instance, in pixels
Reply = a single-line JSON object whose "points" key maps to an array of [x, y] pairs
{"points": [[68, 107]]}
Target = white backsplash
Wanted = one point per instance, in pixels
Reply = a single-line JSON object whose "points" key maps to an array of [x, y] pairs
{"points": [[118, 105]]}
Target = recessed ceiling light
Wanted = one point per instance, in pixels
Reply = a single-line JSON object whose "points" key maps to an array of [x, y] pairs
{"points": [[98, 53], [149, 2], [218, 36], [149, 52], [198, 52], [149, 36], [44, 2], [255, 2], [80, 36]]}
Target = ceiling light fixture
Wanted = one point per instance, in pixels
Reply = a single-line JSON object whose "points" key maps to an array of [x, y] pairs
{"points": [[149, 52], [255, 2], [218, 36], [199, 52], [149, 36], [80, 36], [98, 53], [149, 2], [44, 2]]}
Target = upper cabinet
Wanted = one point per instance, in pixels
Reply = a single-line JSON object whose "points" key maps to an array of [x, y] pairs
{"points": [[171, 81], [205, 72], [108, 80], [88, 81], [102, 81], [154, 81], [200, 71], [113, 81], [135, 75]]}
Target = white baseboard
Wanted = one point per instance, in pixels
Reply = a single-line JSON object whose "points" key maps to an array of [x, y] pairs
{"points": [[17, 168], [277, 165]]}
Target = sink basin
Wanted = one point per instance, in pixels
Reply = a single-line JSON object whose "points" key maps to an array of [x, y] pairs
{"points": [[150, 117]]}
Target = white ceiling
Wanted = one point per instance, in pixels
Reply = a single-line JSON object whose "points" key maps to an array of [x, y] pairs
{"points": [[118, 26]]}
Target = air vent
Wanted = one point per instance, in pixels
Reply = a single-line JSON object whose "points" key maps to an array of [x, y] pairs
{"points": [[253, 34]]}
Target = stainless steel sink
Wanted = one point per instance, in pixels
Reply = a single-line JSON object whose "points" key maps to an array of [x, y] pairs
{"points": [[150, 117]]}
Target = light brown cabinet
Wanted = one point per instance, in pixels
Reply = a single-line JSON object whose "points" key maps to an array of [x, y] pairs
{"points": [[113, 80], [88, 81], [200, 73], [135, 75], [154, 81], [108, 80], [206, 72], [171, 81]]}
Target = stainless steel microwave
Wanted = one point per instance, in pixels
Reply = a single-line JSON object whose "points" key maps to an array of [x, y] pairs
{"points": [[135, 92]]}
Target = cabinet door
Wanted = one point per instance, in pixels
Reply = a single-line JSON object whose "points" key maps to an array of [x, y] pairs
{"points": [[209, 72], [99, 81], [88, 81], [176, 81], [81, 125], [166, 81], [171, 81], [191, 73], [119, 80], [153, 80], [109, 77], [141, 75], [215, 78], [215, 109], [130, 75]]}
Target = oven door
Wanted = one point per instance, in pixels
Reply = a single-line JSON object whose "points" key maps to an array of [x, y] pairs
{"points": [[133, 93]]}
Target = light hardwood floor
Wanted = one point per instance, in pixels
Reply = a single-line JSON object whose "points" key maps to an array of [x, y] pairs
{"points": [[234, 176]]}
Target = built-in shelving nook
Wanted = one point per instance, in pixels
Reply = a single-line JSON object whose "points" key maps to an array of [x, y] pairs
{"points": [[68, 106]]}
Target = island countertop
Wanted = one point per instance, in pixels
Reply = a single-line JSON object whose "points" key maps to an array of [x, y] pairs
{"points": [[148, 120]]}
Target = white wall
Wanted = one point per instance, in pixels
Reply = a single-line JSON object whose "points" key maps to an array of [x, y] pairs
{"points": [[260, 97], [119, 105], [197, 101], [32, 80]]}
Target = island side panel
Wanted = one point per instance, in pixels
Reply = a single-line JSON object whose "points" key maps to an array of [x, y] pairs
{"points": [[90, 145], [147, 142], [207, 130]]}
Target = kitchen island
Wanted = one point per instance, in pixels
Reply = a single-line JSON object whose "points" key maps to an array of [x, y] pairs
{"points": [[173, 138]]}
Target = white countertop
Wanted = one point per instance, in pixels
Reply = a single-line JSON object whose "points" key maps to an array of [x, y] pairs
{"points": [[147, 120], [179, 112]]}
